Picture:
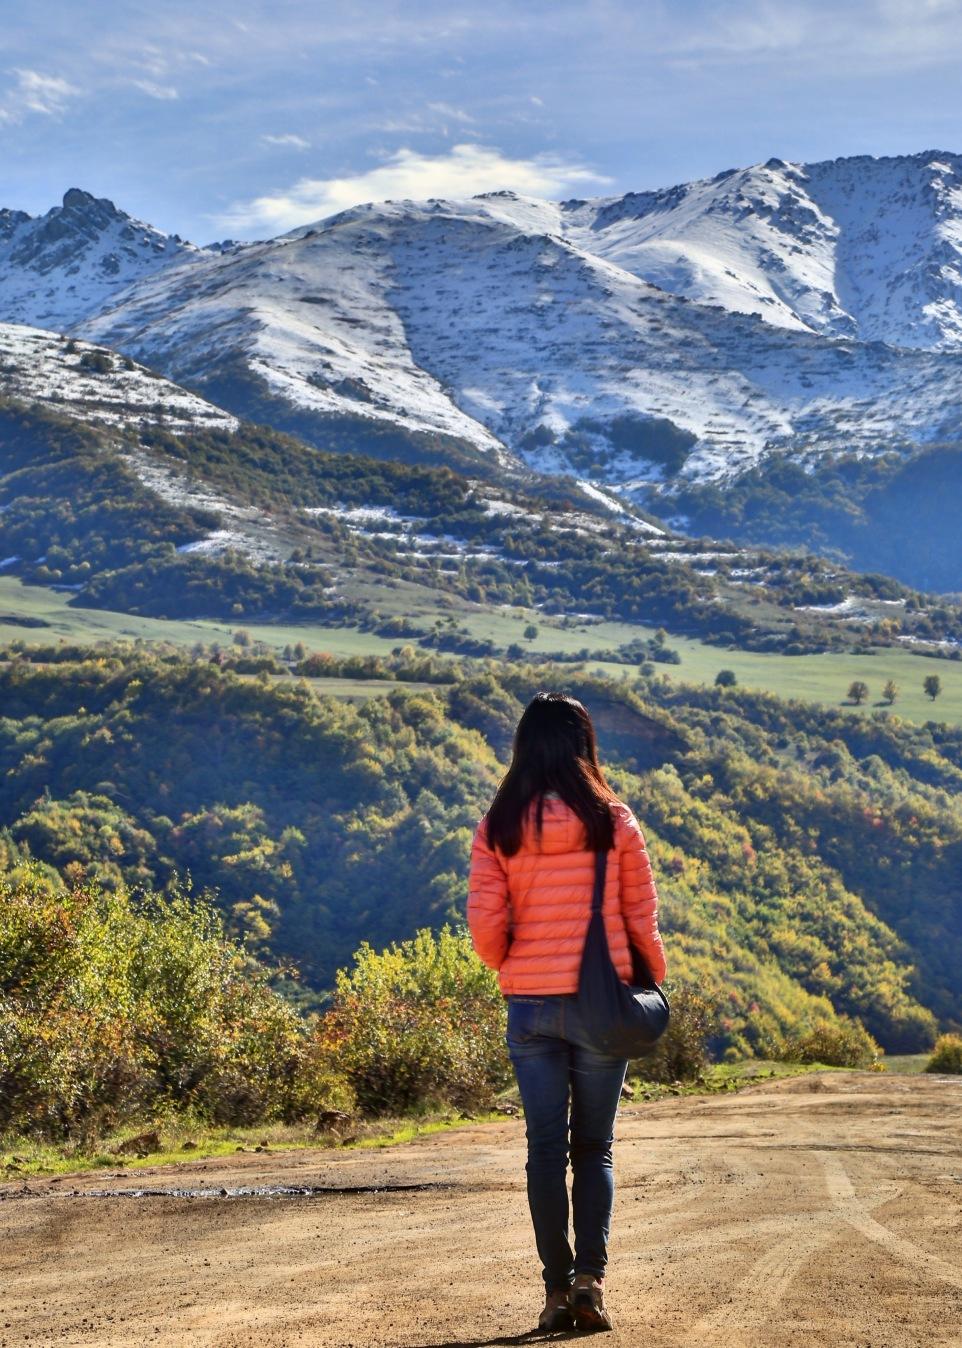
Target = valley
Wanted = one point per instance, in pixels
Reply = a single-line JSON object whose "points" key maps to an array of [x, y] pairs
{"points": [[339, 502]]}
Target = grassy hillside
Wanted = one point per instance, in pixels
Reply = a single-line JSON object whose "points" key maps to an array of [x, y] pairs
{"points": [[254, 525], [808, 859]]}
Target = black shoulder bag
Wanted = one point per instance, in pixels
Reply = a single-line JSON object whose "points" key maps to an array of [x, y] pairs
{"points": [[625, 1021]]}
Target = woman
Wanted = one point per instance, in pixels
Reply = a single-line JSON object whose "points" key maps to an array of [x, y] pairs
{"points": [[529, 903]]}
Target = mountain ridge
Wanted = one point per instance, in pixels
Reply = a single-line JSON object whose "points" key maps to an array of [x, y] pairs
{"points": [[647, 343], [475, 321]]}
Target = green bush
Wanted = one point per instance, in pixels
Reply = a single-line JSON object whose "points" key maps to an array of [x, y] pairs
{"points": [[112, 1008], [682, 1052], [843, 1042], [947, 1054], [419, 1025]]}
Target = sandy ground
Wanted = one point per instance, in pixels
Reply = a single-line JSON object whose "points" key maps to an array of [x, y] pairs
{"points": [[822, 1210]]}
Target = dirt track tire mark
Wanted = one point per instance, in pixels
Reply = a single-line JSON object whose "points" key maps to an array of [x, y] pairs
{"points": [[855, 1212], [740, 1319], [744, 1316]]}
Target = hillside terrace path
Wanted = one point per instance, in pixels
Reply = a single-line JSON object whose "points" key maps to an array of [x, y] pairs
{"points": [[817, 1210]]}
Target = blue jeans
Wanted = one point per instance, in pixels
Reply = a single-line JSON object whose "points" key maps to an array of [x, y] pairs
{"points": [[553, 1064]]}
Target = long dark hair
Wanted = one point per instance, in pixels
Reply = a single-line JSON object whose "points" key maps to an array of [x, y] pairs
{"points": [[554, 750]]}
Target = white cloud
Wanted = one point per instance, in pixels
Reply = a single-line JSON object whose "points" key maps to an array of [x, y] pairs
{"points": [[288, 141], [35, 92], [459, 173]]}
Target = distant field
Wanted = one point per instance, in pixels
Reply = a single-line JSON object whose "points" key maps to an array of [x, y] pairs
{"points": [[812, 678], [826, 678], [77, 624]]}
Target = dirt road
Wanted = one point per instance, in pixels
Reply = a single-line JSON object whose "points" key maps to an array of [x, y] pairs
{"points": [[822, 1210]]}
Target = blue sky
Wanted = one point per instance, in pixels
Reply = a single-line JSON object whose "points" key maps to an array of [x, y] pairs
{"points": [[248, 118]]}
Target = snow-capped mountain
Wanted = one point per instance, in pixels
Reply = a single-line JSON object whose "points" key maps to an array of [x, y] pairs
{"points": [[808, 308], [59, 268], [309, 317], [858, 247], [474, 320]]}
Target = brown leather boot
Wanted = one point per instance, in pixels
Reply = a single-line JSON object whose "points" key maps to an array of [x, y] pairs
{"points": [[557, 1313], [587, 1302]]}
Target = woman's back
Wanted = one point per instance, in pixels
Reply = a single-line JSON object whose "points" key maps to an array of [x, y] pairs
{"points": [[529, 912]]}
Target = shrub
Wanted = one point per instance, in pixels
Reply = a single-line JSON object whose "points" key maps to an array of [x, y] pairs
{"points": [[843, 1042], [947, 1054], [111, 1008], [682, 1052], [97, 361], [419, 1025]]}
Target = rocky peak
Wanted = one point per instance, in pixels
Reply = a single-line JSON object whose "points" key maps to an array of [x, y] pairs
{"points": [[59, 267], [77, 197]]}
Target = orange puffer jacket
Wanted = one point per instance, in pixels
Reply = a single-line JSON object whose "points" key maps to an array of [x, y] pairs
{"points": [[529, 913]]}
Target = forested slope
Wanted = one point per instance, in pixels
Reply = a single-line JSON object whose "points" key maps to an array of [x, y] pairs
{"points": [[804, 857]]}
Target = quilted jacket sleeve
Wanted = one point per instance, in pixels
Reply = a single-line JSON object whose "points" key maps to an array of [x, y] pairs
{"points": [[639, 898], [489, 912]]}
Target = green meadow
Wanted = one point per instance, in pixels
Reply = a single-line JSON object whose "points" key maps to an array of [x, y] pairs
{"points": [[822, 678]]}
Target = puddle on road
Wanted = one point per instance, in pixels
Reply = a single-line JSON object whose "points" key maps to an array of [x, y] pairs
{"points": [[242, 1191]]}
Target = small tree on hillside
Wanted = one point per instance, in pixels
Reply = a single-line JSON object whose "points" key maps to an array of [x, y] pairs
{"points": [[96, 361], [857, 692], [530, 632], [726, 678], [932, 686], [890, 692]]}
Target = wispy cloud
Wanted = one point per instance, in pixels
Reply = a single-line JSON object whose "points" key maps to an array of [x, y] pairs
{"points": [[34, 92], [451, 113], [164, 92], [862, 36], [462, 172], [288, 141]]}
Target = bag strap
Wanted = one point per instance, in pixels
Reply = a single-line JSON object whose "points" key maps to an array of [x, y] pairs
{"points": [[601, 868]]}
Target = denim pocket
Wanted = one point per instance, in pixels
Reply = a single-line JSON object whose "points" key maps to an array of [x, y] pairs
{"points": [[525, 1017]]}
